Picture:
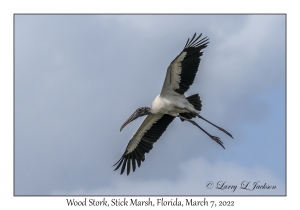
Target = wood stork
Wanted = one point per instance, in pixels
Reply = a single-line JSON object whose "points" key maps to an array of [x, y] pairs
{"points": [[170, 103]]}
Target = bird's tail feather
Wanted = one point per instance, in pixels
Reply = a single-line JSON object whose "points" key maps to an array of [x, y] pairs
{"points": [[196, 102]]}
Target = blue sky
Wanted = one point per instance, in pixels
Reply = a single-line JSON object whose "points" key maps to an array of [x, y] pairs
{"points": [[79, 77]]}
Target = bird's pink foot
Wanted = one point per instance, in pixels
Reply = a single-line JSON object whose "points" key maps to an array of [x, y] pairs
{"points": [[225, 132], [217, 139]]}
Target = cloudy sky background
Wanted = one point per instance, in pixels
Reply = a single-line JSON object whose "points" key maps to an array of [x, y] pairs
{"points": [[78, 78]]}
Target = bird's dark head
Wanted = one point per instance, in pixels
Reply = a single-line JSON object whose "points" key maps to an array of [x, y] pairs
{"points": [[138, 113]]}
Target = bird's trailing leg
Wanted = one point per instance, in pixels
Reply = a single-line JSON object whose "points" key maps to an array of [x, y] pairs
{"points": [[216, 139], [215, 126]]}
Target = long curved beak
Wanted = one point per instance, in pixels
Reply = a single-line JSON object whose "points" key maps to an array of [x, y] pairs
{"points": [[135, 115], [138, 113]]}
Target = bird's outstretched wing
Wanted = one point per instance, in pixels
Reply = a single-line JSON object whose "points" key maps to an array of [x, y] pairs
{"points": [[182, 70], [142, 141]]}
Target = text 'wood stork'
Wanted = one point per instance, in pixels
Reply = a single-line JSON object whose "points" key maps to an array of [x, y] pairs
{"points": [[170, 103]]}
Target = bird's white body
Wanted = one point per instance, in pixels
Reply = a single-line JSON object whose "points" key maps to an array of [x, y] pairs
{"points": [[171, 105]]}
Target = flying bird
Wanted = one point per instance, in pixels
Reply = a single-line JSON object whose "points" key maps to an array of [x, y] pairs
{"points": [[170, 103]]}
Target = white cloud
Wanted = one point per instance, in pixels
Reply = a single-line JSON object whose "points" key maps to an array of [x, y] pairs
{"points": [[194, 177]]}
